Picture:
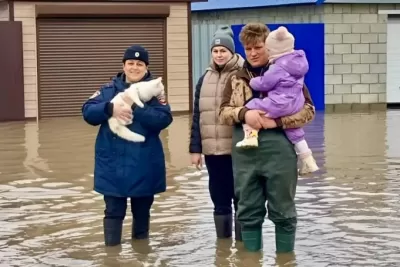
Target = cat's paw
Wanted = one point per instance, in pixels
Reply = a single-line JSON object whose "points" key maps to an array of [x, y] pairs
{"points": [[140, 104]]}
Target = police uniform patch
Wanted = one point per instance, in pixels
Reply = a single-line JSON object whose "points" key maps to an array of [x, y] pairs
{"points": [[97, 93]]}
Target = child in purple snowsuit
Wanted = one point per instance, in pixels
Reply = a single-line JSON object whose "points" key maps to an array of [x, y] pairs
{"points": [[283, 82]]}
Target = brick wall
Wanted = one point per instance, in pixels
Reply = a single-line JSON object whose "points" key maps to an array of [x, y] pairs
{"points": [[355, 44], [355, 53]]}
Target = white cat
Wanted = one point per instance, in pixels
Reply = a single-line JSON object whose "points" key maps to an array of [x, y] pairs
{"points": [[138, 92]]}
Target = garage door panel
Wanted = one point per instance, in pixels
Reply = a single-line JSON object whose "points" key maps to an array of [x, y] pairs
{"points": [[77, 56], [94, 59]]}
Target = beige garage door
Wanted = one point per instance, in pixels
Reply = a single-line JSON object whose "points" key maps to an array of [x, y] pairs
{"points": [[77, 56]]}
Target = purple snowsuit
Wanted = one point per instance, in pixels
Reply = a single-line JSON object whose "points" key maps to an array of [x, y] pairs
{"points": [[283, 82]]}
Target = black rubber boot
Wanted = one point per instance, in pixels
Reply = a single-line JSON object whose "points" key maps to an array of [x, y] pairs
{"points": [[112, 232], [238, 231], [223, 225], [140, 228]]}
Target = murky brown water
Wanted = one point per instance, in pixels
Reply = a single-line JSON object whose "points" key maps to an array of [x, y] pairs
{"points": [[49, 215]]}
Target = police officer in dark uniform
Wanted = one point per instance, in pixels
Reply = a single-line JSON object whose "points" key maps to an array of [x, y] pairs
{"points": [[126, 169]]}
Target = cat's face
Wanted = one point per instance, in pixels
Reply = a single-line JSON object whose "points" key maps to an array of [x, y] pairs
{"points": [[154, 86]]}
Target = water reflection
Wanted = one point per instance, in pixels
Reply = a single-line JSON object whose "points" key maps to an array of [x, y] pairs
{"points": [[50, 216]]}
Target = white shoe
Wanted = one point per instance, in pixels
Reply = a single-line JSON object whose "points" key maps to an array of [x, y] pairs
{"points": [[248, 142], [308, 165]]}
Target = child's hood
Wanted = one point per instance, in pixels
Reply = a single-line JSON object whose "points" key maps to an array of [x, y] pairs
{"points": [[295, 63]]}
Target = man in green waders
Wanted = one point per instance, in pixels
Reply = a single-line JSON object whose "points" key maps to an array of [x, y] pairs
{"points": [[269, 171]]}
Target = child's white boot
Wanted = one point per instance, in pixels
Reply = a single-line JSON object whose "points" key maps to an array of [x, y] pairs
{"points": [[250, 140], [308, 163]]}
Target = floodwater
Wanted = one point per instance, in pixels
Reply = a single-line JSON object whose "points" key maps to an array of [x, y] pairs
{"points": [[50, 216]]}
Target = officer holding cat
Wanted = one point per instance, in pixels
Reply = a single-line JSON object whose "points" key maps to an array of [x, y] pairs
{"points": [[126, 169]]}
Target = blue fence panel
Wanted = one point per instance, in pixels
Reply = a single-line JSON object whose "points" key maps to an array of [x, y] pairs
{"points": [[240, 4], [310, 38]]}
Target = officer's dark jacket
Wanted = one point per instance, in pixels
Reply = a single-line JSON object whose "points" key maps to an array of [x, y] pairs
{"points": [[124, 168]]}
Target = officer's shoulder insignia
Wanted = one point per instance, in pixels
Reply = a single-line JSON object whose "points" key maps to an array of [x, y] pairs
{"points": [[97, 93]]}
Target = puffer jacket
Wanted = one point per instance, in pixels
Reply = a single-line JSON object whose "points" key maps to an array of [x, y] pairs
{"points": [[208, 136]]}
